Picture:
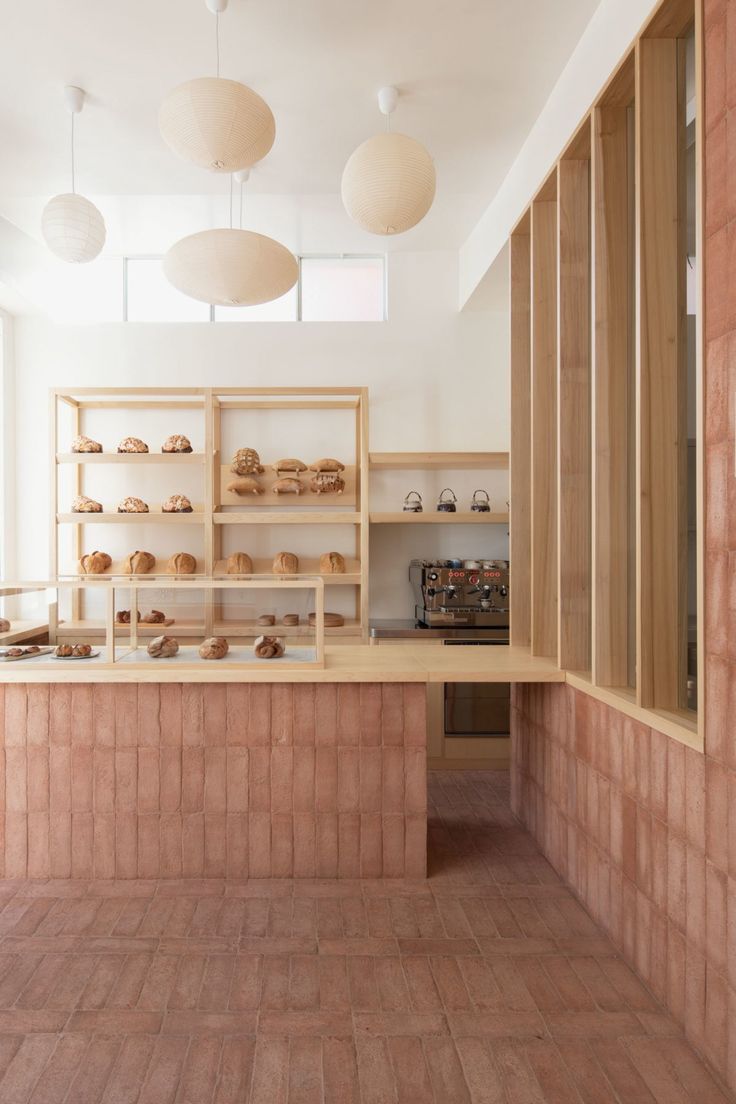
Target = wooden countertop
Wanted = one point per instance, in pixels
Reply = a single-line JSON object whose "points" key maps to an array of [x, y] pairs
{"points": [[343, 663]]}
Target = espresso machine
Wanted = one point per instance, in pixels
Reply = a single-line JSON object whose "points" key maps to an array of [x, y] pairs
{"points": [[459, 593]]}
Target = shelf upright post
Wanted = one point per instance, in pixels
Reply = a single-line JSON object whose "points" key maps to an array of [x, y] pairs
{"points": [[209, 507]]}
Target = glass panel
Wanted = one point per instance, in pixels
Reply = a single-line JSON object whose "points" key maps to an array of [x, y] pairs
{"points": [[278, 310], [689, 368], [631, 406], [151, 298], [343, 289]]}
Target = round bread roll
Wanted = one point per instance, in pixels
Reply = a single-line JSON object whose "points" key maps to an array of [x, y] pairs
{"points": [[177, 504], [85, 444], [288, 485], [332, 620], [215, 647], [64, 650], [163, 647], [4, 625], [244, 485], [139, 563], [269, 647], [122, 617], [132, 505], [289, 464], [95, 563], [239, 563], [332, 563], [246, 461], [82, 650], [181, 563], [155, 617], [132, 444], [290, 619], [84, 505], [285, 563], [327, 464], [177, 442], [327, 483], [266, 619]]}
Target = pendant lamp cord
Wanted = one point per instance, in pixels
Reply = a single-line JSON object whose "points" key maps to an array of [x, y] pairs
{"points": [[73, 173], [217, 40]]}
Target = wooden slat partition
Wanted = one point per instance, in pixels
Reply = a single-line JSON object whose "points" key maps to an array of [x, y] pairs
{"points": [[611, 350], [573, 398], [520, 457], [544, 426], [660, 639]]}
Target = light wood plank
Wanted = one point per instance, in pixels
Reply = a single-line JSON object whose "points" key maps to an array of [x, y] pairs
{"points": [[460, 518], [520, 476], [446, 461]]}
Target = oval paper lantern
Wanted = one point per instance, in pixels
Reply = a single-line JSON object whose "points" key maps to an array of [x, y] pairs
{"points": [[217, 124], [73, 228], [231, 268], [388, 184]]}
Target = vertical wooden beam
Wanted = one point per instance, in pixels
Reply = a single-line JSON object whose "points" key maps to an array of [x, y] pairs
{"points": [[659, 398], [573, 412], [520, 454], [544, 427], [611, 350]]}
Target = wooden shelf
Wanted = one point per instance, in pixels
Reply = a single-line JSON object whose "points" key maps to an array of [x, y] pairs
{"points": [[434, 518], [115, 571], [291, 517], [22, 630], [153, 517], [250, 628], [262, 567], [97, 627], [447, 461], [130, 458]]}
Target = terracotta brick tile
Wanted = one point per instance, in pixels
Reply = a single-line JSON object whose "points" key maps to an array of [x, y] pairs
{"points": [[326, 780], [304, 714], [237, 845], [60, 714], [716, 813], [215, 845], [259, 779], [259, 844], [305, 859], [303, 779], [326, 843], [16, 713], [37, 717], [94, 1072], [644, 850], [282, 714], [148, 799], [27, 1065], [104, 779], [392, 714], [282, 845], [371, 845], [339, 1071], [370, 714], [270, 1071], [716, 917], [392, 828], [629, 823], [282, 779], [215, 781], [325, 705], [126, 715], [695, 898], [182, 715], [349, 845], [215, 714], [676, 787], [237, 706], [695, 995], [164, 1072]]}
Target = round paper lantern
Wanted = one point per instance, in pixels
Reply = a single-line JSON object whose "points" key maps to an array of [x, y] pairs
{"points": [[73, 228], [388, 184], [231, 268], [217, 124]]}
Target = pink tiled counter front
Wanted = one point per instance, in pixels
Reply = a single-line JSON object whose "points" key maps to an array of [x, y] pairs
{"points": [[210, 780]]}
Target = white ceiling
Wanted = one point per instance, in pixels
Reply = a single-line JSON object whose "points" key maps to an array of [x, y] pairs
{"points": [[473, 76]]}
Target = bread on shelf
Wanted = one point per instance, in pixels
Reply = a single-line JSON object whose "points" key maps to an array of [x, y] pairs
{"points": [[79, 651], [239, 563], [215, 647], [163, 647], [288, 485], [244, 485], [139, 563], [285, 563], [123, 617], [266, 619], [290, 619], [4, 625], [289, 464], [132, 505], [95, 563], [269, 647], [155, 617], [85, 444], [132, 444], [332, 620], [332, 563], [84, 505], [177, 442], [246, 461], [327, 464], [181, 563], [177, 504], [327, 483]]}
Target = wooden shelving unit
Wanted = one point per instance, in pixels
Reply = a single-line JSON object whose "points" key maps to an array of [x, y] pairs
{"points": [[153, 517], [438, 518]]}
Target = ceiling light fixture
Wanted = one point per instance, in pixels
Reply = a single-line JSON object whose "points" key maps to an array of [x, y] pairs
{"points": [[218, 124], [72, 227], [389, 182]]}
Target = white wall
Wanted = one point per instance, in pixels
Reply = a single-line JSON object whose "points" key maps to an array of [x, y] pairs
{"points": [[437, 379]]}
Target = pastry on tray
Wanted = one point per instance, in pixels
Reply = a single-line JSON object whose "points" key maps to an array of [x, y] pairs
{"points": [[177, 442], [327, 483], [122, 617], [327, 464], [181, 563], [289, 464], [269, 647], [285, 563], [132, 505], [239, 563], [287, 485], [246, 461], [155, 617], [332, 563], [95, 563], [244, 485], [139, 563], [4, 625], [177, 504], [85, 444], [84, 505], [163, 647], [69, 651], [215, 647], [132, 444]]}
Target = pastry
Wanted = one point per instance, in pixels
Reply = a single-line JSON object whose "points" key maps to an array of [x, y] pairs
{"points": [[215, 647], [4, 625], [64, 650], [288, 485], [327, 464], [177, 504], [122, 617], [332, 620], [177, 442], [266, 619], [289, 465], [155, 617], [327, 483], [139, 563], [243, 485], [95, 563], [239, 563], [246, 461], [14, 652], [181, 563], [85, 444], [32, 649], [132, 505], [269, 647], [84, 505], [82, 650], [285, 563], [132, 444], [290, 619], [332, 563], [163, 647]]}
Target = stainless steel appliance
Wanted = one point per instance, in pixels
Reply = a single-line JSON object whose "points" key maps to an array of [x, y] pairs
{"points": [[461, 592]]}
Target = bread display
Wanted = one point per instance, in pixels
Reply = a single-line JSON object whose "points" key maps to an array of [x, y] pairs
{"points": [[239, 563], [132, 505], [122, 617], [332, 563], [289, 465], [95, 563], [244, 485], [266, 619], [288, 485], [177, 442], [139, 563], [327, 483], [177, 504], [84, 505], [290, 619], [181, 563], [4, 625], [269, 647], [85, 444], [163, 647], [132, 444], [327, 464], [332, 620], [285, 563], [215, 647], [73, 651], [246, 461], [155, 617]]}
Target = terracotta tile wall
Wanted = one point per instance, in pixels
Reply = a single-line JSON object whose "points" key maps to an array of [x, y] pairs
{"points": [[642, 827], [171, 781]]}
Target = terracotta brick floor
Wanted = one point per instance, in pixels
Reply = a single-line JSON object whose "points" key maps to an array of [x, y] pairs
{"points": [[489, 983]]}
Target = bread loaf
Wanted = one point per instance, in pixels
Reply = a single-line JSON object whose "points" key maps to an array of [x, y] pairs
{"points": [[290, 619], [122, 617], [332, 620], [132, 444], [239, 563], [246, 461], [155, 617], [269, 647], [327, 464], [132, 505], [163, 647], [289, 464], [177, 443], [181, 563], [177, 504], [4, 625], [139, 563], [95, 563], [244, 485], [327, 483], [84, 505], [266, 619], [287, 485], [332, 563], [215, 647], [285, 563], [85, 444]]}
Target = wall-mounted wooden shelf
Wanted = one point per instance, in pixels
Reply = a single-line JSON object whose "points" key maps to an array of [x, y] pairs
{"points": [[310, 567], [153, 517], [464, 518], [439, 461], [130, 458], [291, 517]]}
